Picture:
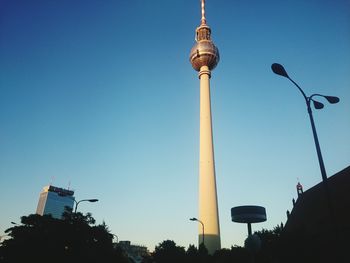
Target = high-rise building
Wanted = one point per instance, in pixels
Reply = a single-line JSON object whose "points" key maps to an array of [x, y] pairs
{"points": [[204, 57], [53, 200]]}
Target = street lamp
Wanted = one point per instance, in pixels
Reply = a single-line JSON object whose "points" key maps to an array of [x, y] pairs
{"points": [[84, 200], [195, 219], [279, 70]]}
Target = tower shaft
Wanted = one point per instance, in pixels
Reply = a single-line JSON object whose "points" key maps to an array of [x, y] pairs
{"points": [[208, 205], [204, 57]]}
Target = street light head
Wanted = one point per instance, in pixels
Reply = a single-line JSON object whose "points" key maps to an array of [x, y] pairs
{"points": [[318, 105], [279, 70], [193, 219], [332, 99], [83, 200]]}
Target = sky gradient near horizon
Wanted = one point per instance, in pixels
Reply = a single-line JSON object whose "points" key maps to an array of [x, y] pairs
{"points": [[100, 97]]}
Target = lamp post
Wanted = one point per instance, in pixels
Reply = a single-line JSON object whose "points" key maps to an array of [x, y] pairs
{"points": [[195, 219], [279, 70], [84, 200]]}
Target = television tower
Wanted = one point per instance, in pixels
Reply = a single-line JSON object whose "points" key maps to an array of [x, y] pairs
{"points": [[204, 57]]}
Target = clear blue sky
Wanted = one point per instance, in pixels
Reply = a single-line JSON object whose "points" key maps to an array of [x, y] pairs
{"points": [[100, 96]]}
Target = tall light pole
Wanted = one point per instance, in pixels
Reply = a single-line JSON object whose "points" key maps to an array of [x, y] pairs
{"points": [[195, 219], [279, 70], [84, 200]]}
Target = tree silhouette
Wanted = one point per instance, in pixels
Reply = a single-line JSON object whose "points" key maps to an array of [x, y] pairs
{"points": [[194, 255], [168, 252], [73, 239]]}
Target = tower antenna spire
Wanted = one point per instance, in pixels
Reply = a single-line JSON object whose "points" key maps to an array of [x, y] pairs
{"points": [[203, 20]]}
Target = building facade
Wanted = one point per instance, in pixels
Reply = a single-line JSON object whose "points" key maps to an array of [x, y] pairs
{"points": [[318, 228], [134, 252], [53, 200]]}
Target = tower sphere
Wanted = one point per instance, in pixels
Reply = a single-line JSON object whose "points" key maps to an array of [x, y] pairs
{"points": [[204, 53]]}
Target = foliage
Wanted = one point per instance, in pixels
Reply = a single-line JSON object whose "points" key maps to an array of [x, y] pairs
{"points": [[73, 239], [270, 244], [235, 254], [76, 238], [168, 252]]}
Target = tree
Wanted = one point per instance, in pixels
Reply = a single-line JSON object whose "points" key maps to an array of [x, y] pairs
{"points": [[168, 252], [270, 244], [73, 239], [235, 254], [194, 255]]}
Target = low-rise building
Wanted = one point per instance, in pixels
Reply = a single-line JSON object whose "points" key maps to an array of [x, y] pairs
{"points": [[134, 252]]}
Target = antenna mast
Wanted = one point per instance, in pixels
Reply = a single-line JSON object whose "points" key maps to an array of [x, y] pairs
{"points": [[203, 20]]}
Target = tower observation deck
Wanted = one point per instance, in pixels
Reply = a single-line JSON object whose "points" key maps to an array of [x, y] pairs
{"points": [[204, 52]]}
